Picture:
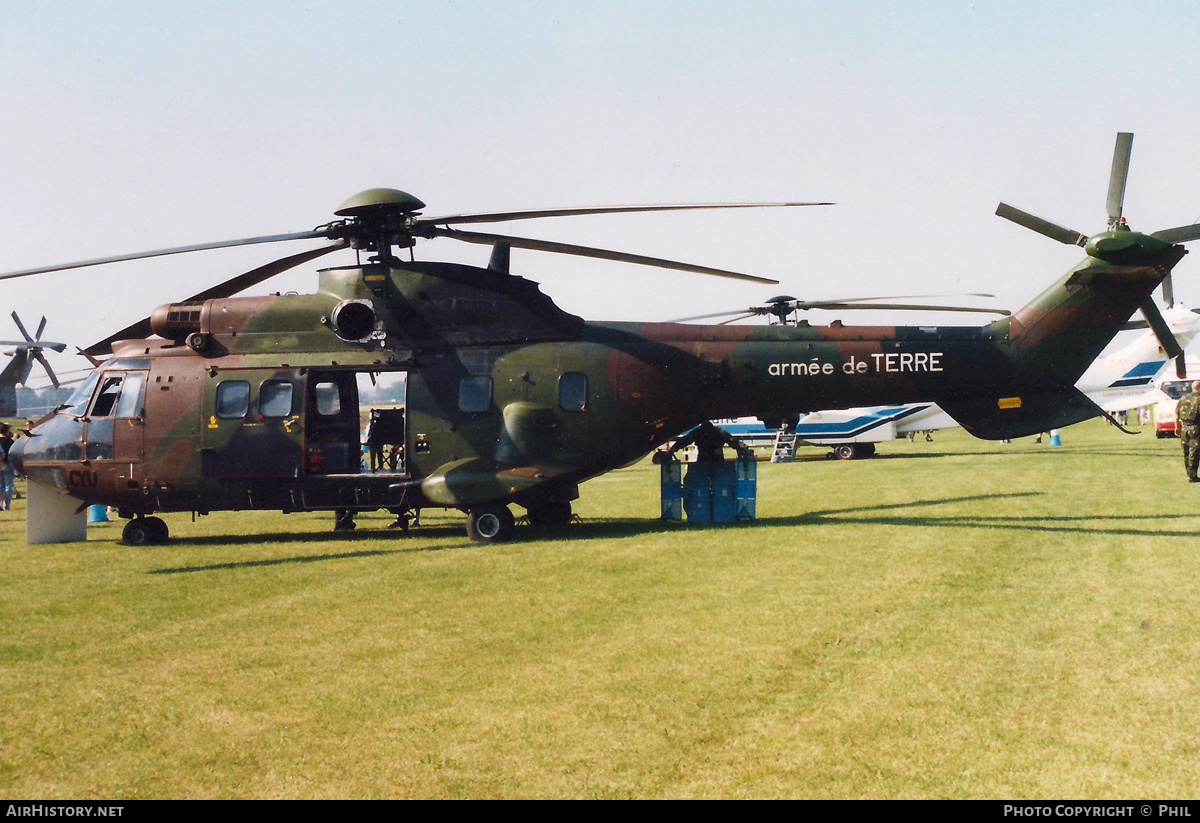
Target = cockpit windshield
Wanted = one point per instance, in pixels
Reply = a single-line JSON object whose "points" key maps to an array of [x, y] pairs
{"points": [[78, 402]]}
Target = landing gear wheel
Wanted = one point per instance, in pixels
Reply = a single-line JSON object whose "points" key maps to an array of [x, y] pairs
{"points": [[844, 452], [144, 531], [159, 530], [490, 524], [550, 513]]}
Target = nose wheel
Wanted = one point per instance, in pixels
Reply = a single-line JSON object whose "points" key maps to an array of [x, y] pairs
{"points": [[145, 531]]}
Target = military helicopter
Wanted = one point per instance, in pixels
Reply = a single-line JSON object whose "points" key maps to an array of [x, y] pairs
{"points": [[478, 392]]}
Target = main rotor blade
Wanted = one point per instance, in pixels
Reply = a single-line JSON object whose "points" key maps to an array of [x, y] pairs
{"points": [[119, 258], [230, 287], [49, 371], [835, 305], [21, 326], [1118, 176], [893, 297], [587, 251], [1031, 221], [1179, 234], [529, 214], [848, 303], [710, 316]]}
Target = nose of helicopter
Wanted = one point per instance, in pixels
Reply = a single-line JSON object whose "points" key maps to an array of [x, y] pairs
{"points": [[15, 452]]}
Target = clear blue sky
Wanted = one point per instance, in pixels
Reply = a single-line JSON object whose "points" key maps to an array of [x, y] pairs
{"points": [[130, 126]]}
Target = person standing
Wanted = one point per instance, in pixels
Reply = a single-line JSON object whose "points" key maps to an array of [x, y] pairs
{"points": [[1187, 426], [7, 473]]}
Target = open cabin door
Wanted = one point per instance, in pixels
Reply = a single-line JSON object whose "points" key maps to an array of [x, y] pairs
{"points": [[355, 422]]}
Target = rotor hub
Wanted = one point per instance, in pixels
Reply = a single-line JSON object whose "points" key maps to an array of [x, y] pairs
{"points": [[380, 202]]}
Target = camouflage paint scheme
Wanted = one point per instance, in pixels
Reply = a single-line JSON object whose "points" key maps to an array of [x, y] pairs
{"points": [[645, 384]]}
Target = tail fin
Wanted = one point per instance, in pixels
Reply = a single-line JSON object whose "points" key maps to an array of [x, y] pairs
{"points": [[1056, 337]]}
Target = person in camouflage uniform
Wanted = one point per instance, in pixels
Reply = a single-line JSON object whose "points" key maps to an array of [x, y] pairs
{"points": [[1187, 423]]}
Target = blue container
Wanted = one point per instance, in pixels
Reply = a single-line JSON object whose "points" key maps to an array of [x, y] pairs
{"points": [[672, 490], [724, 492], [697, 492], [747, 489]]}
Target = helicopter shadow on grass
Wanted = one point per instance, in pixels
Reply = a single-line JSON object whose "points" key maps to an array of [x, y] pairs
{"points": [[362, 536], [633, 527], [1067, 524], [875, 515], [1038, 452]]}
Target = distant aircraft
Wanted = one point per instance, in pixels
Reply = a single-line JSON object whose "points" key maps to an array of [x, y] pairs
{"points": [[23, 356], [1126, 379]]}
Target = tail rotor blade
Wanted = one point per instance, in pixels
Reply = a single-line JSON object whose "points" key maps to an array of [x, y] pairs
{"points": [[1168, 291], [1069, 237], [1116, 180], [1180, 366], [1161, 330], [1180, 234], [41, 328]]}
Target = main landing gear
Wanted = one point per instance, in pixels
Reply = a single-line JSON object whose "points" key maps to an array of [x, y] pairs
{"points": [[490, 523], [549, 513], [145, 531], [852, 451]]}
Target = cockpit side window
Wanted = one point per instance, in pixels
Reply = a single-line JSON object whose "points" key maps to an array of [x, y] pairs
{"points": [[130, 404], [106, 398]]}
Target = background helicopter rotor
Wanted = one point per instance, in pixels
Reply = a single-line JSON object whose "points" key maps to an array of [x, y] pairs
{"points": [[31, 349], [1118, 244], [785, 305]]}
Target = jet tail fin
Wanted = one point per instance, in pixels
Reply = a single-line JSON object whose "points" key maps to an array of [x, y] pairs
{"points": [[1003, 418]]}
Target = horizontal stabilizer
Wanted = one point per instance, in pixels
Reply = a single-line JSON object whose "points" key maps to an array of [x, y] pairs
{"points": [[1003, 418]]}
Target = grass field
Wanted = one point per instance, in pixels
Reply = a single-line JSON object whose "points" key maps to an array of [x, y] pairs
{"points": [[951, 619]]}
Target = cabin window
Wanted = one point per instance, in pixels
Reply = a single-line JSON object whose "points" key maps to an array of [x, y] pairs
{"points": [[329, 399], [275, 398], [233, 399], [573, 392], [475, 394]]}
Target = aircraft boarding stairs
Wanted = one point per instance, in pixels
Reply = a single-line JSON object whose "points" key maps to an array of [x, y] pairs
{"points": [[786, 441]]}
